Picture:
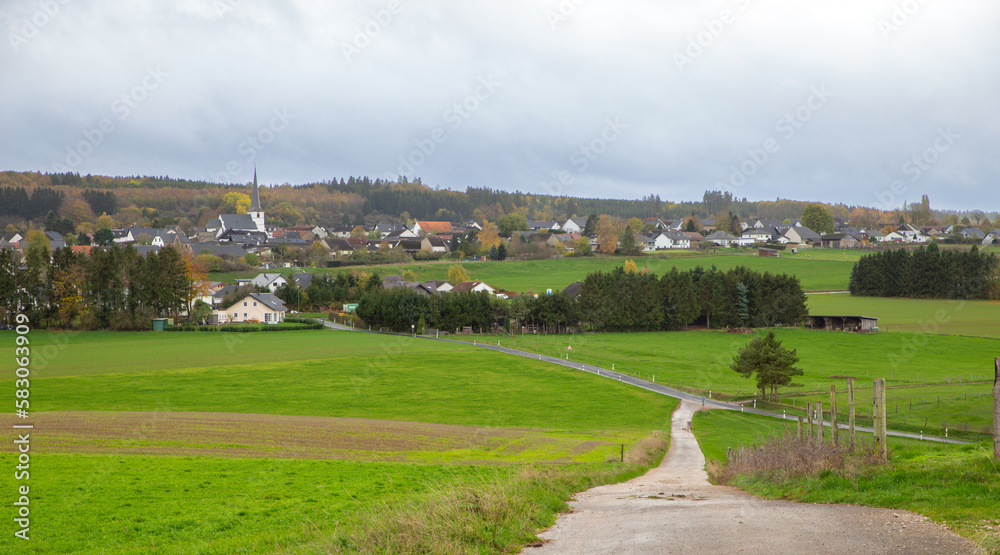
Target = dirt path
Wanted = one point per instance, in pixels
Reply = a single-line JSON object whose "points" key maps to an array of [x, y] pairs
{"points": [[674, 509]]}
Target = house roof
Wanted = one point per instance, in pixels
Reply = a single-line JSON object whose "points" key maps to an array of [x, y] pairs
{"points": [[218, 249], [303, 280], [469, 286], [720, 236], [573, 289], [233, 221], [582, 222], [694, 235], [270, 300], [433, 228], [804, 232], [267, 279]]}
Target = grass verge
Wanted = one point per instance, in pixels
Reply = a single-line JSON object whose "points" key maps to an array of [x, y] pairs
{"points": [[958, 486], [495, 516]]}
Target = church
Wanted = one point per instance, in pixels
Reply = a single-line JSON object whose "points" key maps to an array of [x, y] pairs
{"points": [[243, 224]]}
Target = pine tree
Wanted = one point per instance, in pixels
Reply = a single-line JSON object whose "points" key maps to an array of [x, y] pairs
{"points": [[772, 363]]}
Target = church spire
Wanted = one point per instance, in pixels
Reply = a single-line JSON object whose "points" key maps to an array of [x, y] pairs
{"points": [[255, 196]]}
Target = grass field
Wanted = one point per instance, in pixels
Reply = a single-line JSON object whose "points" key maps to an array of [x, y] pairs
{"points": [[958, 486], [178, 443], [819, 271], [979, 318], [918, 368]]}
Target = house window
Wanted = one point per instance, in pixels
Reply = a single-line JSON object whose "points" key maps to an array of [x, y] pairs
{"points": [[236, 315], [255, 303], [267, 317], [244, 303], [244, 315]]}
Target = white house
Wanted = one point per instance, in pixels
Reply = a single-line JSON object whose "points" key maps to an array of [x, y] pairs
{"points": [[760, 234], [574, 225], [910, 234], [657, 241], [474, 286], [271, 281], [679, 240], [262, 307], [722, 238]]}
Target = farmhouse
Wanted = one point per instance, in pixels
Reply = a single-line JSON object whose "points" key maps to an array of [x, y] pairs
{"points": [[262, 307], [844, 323]]}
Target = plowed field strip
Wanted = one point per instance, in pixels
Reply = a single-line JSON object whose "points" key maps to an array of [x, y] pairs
{"points": [[302, 437]]}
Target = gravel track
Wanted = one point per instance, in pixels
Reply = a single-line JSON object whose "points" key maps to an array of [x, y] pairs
{"points": [[674, 509]]}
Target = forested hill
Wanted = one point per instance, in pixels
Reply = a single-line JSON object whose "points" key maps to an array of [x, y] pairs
{"points": [[339, 201]]}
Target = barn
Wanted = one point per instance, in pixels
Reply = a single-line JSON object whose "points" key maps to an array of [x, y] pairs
{"points": [[864, 324]]}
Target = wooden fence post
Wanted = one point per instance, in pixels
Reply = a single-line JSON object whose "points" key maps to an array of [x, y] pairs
{"points": [[996, 411], [850, 410], [799, 429], [819, 423], [809, 420], [834, 430], [879, 418]]}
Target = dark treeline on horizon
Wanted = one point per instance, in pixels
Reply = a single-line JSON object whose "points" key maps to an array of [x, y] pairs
{"points": [[927, 273]]}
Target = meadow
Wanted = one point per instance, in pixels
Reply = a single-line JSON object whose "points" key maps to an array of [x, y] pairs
{"points": [[977, 318], [222, 443], [956, 485], [918, 368], [819, 271]]}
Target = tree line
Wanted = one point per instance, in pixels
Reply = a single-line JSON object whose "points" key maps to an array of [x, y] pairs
{"points": [[927, 273], [16, 202], [115, 288], [623, 299]]}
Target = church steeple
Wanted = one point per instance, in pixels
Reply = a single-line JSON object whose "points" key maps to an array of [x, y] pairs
{"points": [[256, 212], [255, 196]]}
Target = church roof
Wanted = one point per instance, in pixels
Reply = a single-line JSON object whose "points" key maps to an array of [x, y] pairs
{"points": [[241, 222]]}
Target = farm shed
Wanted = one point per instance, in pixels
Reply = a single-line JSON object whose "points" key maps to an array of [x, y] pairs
{"points": [[844, 323], [768, 253]]}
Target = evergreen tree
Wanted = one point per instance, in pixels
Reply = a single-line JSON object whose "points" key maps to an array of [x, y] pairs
{"points": [[773, 365], [742, 306]]}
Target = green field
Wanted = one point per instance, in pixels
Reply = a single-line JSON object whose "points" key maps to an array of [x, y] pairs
{"points": [[820, 271], [918, 367], [979, 318], [958, 486], [120, 477]]}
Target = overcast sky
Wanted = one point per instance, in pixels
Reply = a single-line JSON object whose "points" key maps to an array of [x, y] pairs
{"points": [[870, 102]]}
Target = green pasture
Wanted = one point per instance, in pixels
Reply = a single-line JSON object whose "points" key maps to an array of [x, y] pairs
{"points": [[817, 272], [965, 407], [141, 504], [130, 503], [929, 366], [980, 318], [346, 374], [957, 485]]}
